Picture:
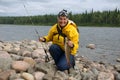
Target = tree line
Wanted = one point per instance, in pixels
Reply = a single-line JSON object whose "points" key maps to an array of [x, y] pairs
{"points": [[92, 18]]}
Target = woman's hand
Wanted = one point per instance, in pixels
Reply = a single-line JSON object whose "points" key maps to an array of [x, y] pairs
{"points": [[70, 43], [42, 39]]}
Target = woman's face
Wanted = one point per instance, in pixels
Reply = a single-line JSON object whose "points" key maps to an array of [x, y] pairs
{"points": [[62, 21]]}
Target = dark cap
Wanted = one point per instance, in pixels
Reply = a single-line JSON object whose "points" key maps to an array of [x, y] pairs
{"points": [[63, 13]]}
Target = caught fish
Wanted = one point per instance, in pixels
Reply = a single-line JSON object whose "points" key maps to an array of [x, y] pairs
{"points": [[67, 51]]}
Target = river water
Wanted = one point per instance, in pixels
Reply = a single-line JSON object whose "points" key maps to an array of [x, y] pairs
{"points": [[106, 39]]}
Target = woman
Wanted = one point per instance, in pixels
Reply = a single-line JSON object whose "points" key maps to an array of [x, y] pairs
{"points": [[63, 28]]}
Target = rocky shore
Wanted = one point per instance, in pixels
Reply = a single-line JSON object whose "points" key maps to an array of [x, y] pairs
{"points": [[25, 60]]}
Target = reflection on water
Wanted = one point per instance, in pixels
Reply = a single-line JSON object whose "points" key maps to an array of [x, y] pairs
{"points": [[106, 39]]}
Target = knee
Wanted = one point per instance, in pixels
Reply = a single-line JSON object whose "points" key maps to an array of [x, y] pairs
{"points": [[52, 47]]}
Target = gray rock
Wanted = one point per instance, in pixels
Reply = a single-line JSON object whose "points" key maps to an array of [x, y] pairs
{"points": [[5, 74], [5, 60], [118, 60], [95, 71], [60, 75], [117, 76], [20, 65], [88, 76], [45, 68], [48, 77], [14, 76], [16, 57], [84, 69], [38, 75], [19, 79], [117, 67], [105, 76], [0, 48], [27, 76], [7, 46], [26, 53], [91, 46]]}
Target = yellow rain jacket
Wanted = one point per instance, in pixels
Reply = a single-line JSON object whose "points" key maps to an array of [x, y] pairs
{"points": [[69, 30]]}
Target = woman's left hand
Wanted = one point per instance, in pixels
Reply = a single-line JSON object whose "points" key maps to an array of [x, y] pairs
{"points": [[70, 43]]}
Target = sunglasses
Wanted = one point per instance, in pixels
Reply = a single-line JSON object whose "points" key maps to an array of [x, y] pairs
{"points": [[63, 13]]}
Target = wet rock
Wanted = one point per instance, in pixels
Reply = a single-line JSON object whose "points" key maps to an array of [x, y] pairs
{"points": [[91, 46]]}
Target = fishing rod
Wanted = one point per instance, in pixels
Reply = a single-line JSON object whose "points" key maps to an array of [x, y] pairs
{"points": [[45, 50]]}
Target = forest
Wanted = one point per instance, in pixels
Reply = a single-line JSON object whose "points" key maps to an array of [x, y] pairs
{"points": [[92, 18]]}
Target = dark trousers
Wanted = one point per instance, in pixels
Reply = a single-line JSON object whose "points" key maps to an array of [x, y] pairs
{"points": [[60, 59]]}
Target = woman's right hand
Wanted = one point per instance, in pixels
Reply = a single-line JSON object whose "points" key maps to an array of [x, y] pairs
{"points": [[42, 39]]}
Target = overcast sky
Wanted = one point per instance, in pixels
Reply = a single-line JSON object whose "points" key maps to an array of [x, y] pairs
{"points": [[41, 7]]}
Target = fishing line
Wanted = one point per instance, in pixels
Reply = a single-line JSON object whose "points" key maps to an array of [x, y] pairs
{"points": [[45, 49], [27, 12]]}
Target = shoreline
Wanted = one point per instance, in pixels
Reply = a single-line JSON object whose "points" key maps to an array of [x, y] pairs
{"points": [[108, 26], [31, 55]]}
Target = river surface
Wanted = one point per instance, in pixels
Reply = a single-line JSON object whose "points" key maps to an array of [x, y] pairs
{"points": [[106, 39]]}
